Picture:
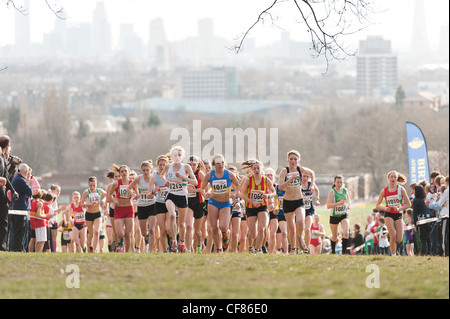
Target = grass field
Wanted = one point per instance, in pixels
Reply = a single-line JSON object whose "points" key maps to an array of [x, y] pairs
{"points": [[223, 276], [220, 276]]}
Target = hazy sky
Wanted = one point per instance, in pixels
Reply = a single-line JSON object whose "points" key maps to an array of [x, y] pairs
{"points": [[231, 18]]}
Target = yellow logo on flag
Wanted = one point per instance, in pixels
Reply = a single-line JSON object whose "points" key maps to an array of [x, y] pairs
{"points": [[416, 143]]}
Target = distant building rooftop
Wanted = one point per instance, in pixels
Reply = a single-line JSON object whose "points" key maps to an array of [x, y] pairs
{"points": [[208, 106]]}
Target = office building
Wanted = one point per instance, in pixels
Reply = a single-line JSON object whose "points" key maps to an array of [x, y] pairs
{"points": [[377, 70]]}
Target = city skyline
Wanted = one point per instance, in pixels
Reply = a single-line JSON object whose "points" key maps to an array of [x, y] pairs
{"points": [[180, 20]]}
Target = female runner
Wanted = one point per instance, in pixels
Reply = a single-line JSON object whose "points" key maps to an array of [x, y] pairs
{"points": [[177, 176], [77, 213], [339, 202], [220, 180], [195, 211], [293, 205], [123, 210], [91, 201], [317, 232], [206, 225], [145, 183], [273, 216], [162, 214], [282, 223], [236, 214], [113, 175], [308, 193], [255, 190], [396, 200]]}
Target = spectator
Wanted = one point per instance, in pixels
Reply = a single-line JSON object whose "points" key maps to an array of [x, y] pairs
{"points": [[22, 203], [373, 230], [357, 240], [382, 233], [5, 184], [35, 186], [41, 224], [421, 212], [326, 246], [431, 199], [409, 233], [369, 240], [433, 176], [411, 190], [443, 203], [439, 181]]}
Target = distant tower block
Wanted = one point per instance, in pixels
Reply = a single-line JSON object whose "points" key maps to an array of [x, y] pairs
{"points": [[419, 39]]}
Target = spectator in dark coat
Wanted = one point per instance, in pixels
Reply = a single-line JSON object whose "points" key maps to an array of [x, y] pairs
{"points": [[22, 203]]}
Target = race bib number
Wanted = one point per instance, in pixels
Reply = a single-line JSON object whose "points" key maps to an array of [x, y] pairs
{"points": [[66, 235], [79, 218], [280, 200], [340, 210], [257, 196], [393, 201], [219, 186], [94, 197], [296, 181], [175, 186], [123, 191], [143, 197], [162, 192], [307, 200], [192, 195]]}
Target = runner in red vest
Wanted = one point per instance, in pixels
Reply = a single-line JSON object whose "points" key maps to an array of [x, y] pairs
{"points": [[396, 201]]}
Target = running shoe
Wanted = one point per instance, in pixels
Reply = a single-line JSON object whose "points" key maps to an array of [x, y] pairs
{"points": [[302, 243], [199, 249], [174, 248], [225, 240], [120, 246]]}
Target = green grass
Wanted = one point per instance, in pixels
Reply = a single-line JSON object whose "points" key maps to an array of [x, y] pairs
{"points": [[224, 276], [220, 276]]}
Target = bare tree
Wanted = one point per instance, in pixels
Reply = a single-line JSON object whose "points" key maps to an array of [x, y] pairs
{"points": [[326, 21], [52, 5]]}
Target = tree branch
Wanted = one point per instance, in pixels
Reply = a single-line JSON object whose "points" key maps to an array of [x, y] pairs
{"points": [[58, 12], [327, 21], [238, 48]]}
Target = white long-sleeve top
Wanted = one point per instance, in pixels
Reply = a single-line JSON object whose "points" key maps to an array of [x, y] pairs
{"points": [[444, 200]]}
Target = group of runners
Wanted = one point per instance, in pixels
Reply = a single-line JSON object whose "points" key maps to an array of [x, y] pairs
{"points": [[207, 206]]}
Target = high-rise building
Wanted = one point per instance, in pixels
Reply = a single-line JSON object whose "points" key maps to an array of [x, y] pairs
{"points": [[420, 46], [208, 83], [101, 31], [22, 28], [443, 44], [129, 41], [157, 33], [206, 43], [158, 47], [377, 71]]}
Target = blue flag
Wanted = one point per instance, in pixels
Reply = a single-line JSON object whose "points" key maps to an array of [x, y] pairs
{"points": [[417, 154]]}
